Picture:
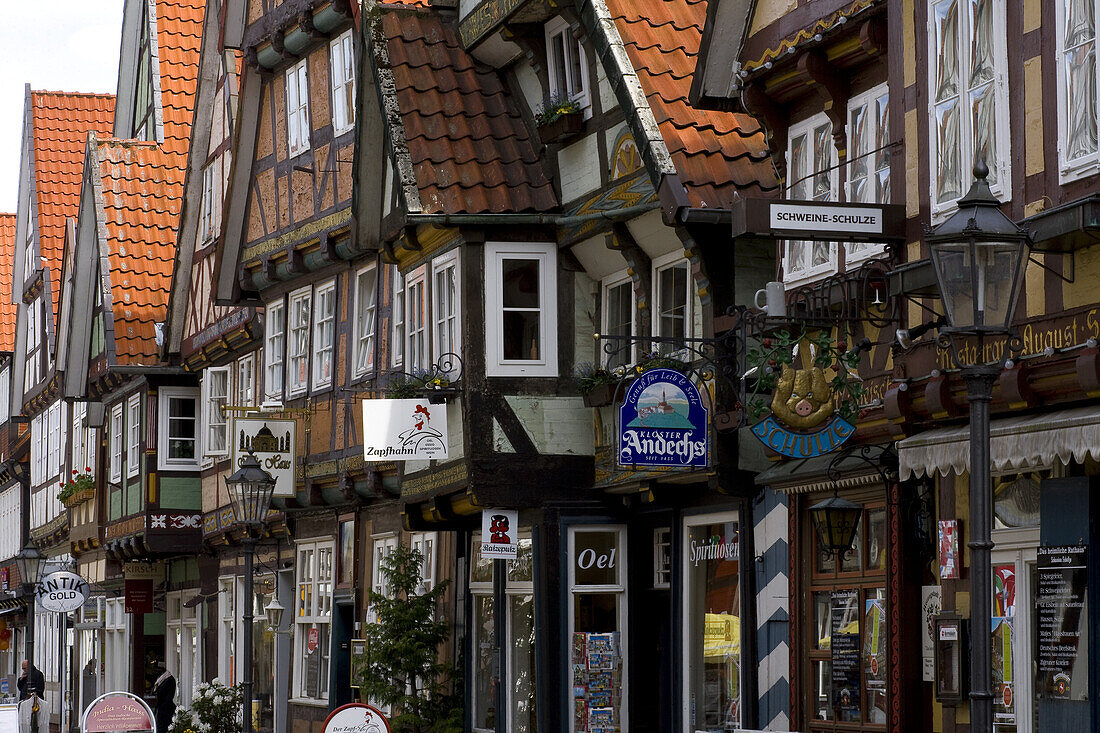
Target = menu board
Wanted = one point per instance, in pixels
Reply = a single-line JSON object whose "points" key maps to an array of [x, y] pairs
{"points": [[844, 645], [597, 682], [1061, 589]]}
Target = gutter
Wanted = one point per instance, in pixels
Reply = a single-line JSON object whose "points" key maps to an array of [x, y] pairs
{"points": [[558, 220], [139, 370]]}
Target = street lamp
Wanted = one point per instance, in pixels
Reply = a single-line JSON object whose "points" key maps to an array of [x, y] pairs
{"points": [[979, 256], [29, 563], [250, 489], [836, 521]]}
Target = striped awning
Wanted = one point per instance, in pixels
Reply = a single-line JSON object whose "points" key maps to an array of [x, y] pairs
{"points": [[1015, 443]]}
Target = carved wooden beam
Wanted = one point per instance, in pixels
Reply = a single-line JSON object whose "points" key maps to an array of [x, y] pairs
{"points": [[775, 120], [832, 87]]}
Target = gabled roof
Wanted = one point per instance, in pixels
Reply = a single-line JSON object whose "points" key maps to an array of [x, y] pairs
{"points": [[141, 206], [60, 123], [716, 154], [468, 146], [7, 308]]}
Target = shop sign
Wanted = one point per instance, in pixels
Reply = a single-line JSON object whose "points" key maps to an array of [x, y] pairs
{"points": [[117, 712], [356, 718], [845, 651], [404, 430], [714, 548], [273, 443], [931, 604], [498, 534], [595, 555], [663, 423], [1062, 589], [138, 596], [143, 571], [819, 221], [62, 592], [811, 412]]}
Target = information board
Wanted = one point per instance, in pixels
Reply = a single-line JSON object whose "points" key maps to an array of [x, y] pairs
{"points": [[1062, 589], [845, 652]]}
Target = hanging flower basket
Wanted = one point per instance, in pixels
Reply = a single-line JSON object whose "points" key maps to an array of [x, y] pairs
{"points": [[79, 497]]}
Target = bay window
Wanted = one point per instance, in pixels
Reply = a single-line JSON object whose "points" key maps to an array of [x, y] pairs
{"points": [[967, 96], [312, 619], [811, 176], [324, 330], [274, 344], [521, 309], [366, 308], [215, 385], [298, 346]]}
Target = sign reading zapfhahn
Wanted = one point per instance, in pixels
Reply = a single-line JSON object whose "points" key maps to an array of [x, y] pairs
{"points": [[498, 534], [62, 592], [272, 442], [404, 430], [663, 423]]}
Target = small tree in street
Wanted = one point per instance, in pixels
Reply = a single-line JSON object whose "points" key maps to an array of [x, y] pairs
{"points": [[403, 670]]}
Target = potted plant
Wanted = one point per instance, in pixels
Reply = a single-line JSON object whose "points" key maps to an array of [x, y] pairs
{"points": [[80, 488], [596, 384], [558, 119], [215, 708]]}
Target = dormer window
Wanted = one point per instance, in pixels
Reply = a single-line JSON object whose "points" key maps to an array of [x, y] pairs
{"points": [[566, 63], [297, 108]]}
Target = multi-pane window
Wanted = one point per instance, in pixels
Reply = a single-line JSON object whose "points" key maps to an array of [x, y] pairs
{"points": [[618, 318], [182, 648], [811, 176], [1078, 99], [298, 348], [216, 388], [246, 386], [398, 318], [56, 439], [312, 619], [29, 263], [342, 61], [116, 645], [425, 543], [324, 329], [672, 296], [206, 210], [521, 309], [383, 546], [274, 345], [33, 362], [229, 594], [178, 427], [83, 445], [566, 62], [133, 434], [416, 321], [297, 108], [868, 156], [445, 305], [366, 310], [116, 443], [967, 97]]}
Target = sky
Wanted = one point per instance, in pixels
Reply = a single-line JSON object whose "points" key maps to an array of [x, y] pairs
{"points": [[62, 45]]}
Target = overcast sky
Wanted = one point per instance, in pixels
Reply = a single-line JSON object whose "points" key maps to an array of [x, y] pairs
{"points": [[62, 45]]}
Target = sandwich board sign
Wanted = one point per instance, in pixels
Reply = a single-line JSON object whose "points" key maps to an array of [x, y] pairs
{"points": [[118, 712]]}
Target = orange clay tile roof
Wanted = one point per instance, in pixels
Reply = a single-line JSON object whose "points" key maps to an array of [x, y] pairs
{"points": [[179, 36], [60, 122], [141, 207], [470, 149], [717, 154], [7, 308]]}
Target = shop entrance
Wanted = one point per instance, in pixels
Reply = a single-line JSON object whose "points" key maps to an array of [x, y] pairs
{"points": [[650, 543]]}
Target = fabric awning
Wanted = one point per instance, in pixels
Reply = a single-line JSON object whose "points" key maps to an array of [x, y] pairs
{"points": [[1034, 441]]}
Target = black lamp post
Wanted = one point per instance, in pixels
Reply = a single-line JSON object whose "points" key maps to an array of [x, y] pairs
{"points": [[836, 521], [250, 490], [29, 562], [979, 256]]}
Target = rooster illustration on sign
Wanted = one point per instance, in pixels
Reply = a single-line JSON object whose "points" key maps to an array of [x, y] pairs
{"points": [[422, 436]]}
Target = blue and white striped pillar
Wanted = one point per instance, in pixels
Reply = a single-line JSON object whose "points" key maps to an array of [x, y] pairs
{"points": [[772, 604]]}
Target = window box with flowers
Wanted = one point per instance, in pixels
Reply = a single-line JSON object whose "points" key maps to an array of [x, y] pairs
{"points": [[600, 387], [77, 490], [558, 119]]}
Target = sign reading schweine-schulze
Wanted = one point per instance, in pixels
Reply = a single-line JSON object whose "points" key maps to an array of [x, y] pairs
{"points": [[826, 217]]}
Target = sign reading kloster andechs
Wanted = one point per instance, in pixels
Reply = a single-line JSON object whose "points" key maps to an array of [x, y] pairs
{"points": [[810, 409], [663, 423]]}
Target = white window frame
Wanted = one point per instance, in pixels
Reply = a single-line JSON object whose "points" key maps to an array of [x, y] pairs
{"points": [[806, 127], [1018, 547], [164, 396], [620, 589], [857, 252], [275, 349], [1002, 189], [1087, 165], [417, 337], [446, 314], [116, 443], [184, 660], [366, 320], [133, 435], [318, 615], [662, 557], [381, 546], [116, 662], [56, 440], [5, 394], [230, 628], [213, 414], [324, 323], [342, 65], [397, 318], [608, 284], [572, 46], [206, 209], [32, 368], [659, 265], [245, 387], [428, 544], [546, 256], [297, 108], [297, 353]]}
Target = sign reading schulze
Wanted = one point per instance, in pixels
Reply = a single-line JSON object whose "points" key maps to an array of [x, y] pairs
{"points": [[826, 218]]}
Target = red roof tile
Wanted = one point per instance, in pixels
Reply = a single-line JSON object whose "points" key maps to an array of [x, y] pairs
{"points": [[716, 154], [7, 308], [179, 36], [60, 122], [470, 149]]}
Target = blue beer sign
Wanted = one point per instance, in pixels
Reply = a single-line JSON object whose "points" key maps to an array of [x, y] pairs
{"points": [[663, 423]]}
